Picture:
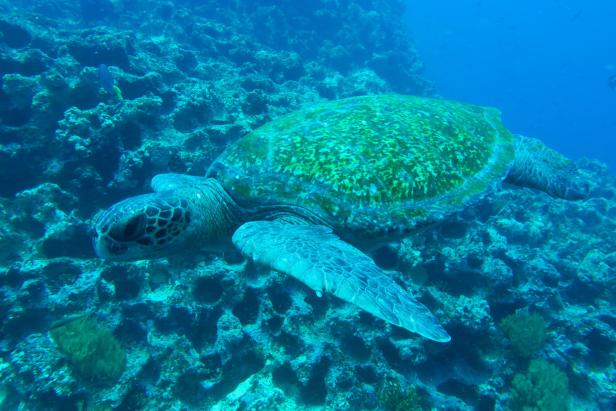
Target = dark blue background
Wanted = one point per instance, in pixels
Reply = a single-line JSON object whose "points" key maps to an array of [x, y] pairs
{"points": [[545, 64]]}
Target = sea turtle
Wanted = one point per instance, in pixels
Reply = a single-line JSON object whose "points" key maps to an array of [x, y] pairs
{"points": [[307, 192]]}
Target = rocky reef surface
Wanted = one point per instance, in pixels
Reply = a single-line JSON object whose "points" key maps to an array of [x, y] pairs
{"points": [[523, 282]]}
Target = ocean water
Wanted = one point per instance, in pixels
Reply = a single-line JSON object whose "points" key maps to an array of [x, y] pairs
{"points": [[545, 64], [367, 237]]}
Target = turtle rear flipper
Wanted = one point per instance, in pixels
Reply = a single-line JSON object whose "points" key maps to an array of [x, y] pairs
{"points": [[538, 166], [325, 263]]}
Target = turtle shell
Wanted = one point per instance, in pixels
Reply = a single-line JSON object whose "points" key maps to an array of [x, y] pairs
{"points": [[371, 163]]}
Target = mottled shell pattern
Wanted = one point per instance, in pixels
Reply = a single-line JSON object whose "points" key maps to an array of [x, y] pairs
{"points": [[372, 163]]}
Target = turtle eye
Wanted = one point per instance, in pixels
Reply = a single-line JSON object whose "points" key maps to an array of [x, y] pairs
{"points": [[134, 228], [131, 230]]}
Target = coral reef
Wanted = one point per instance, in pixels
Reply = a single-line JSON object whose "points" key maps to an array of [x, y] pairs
{"points": [[191, 75], [212, 331]]}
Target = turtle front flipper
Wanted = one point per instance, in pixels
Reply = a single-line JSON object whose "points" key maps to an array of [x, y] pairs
{"points": [[538, 166], [325, 263]]}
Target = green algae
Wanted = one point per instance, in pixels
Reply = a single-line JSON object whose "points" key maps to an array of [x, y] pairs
{"points": [[526, 332], [393, 397], [92, 350], [542, 388]]}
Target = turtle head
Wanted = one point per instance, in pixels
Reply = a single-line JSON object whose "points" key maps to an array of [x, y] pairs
{"points": [[144, 227], [184, 214]]}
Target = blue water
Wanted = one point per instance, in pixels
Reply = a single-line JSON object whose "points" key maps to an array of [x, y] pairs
{"points": [[545, 64]]}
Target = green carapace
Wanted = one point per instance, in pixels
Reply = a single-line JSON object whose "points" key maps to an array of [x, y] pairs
{"points": [[372, 163]]}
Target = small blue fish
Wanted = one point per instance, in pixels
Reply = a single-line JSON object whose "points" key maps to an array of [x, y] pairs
{"points": [[107, 81], [611, 81]]}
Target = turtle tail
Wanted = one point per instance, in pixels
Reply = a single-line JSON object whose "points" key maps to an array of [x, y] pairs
{"points": [[540, 167]]}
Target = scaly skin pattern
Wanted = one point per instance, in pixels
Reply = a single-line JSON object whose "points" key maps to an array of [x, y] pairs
{"points": [[318, 258], [543, 168], [372, 163]]}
